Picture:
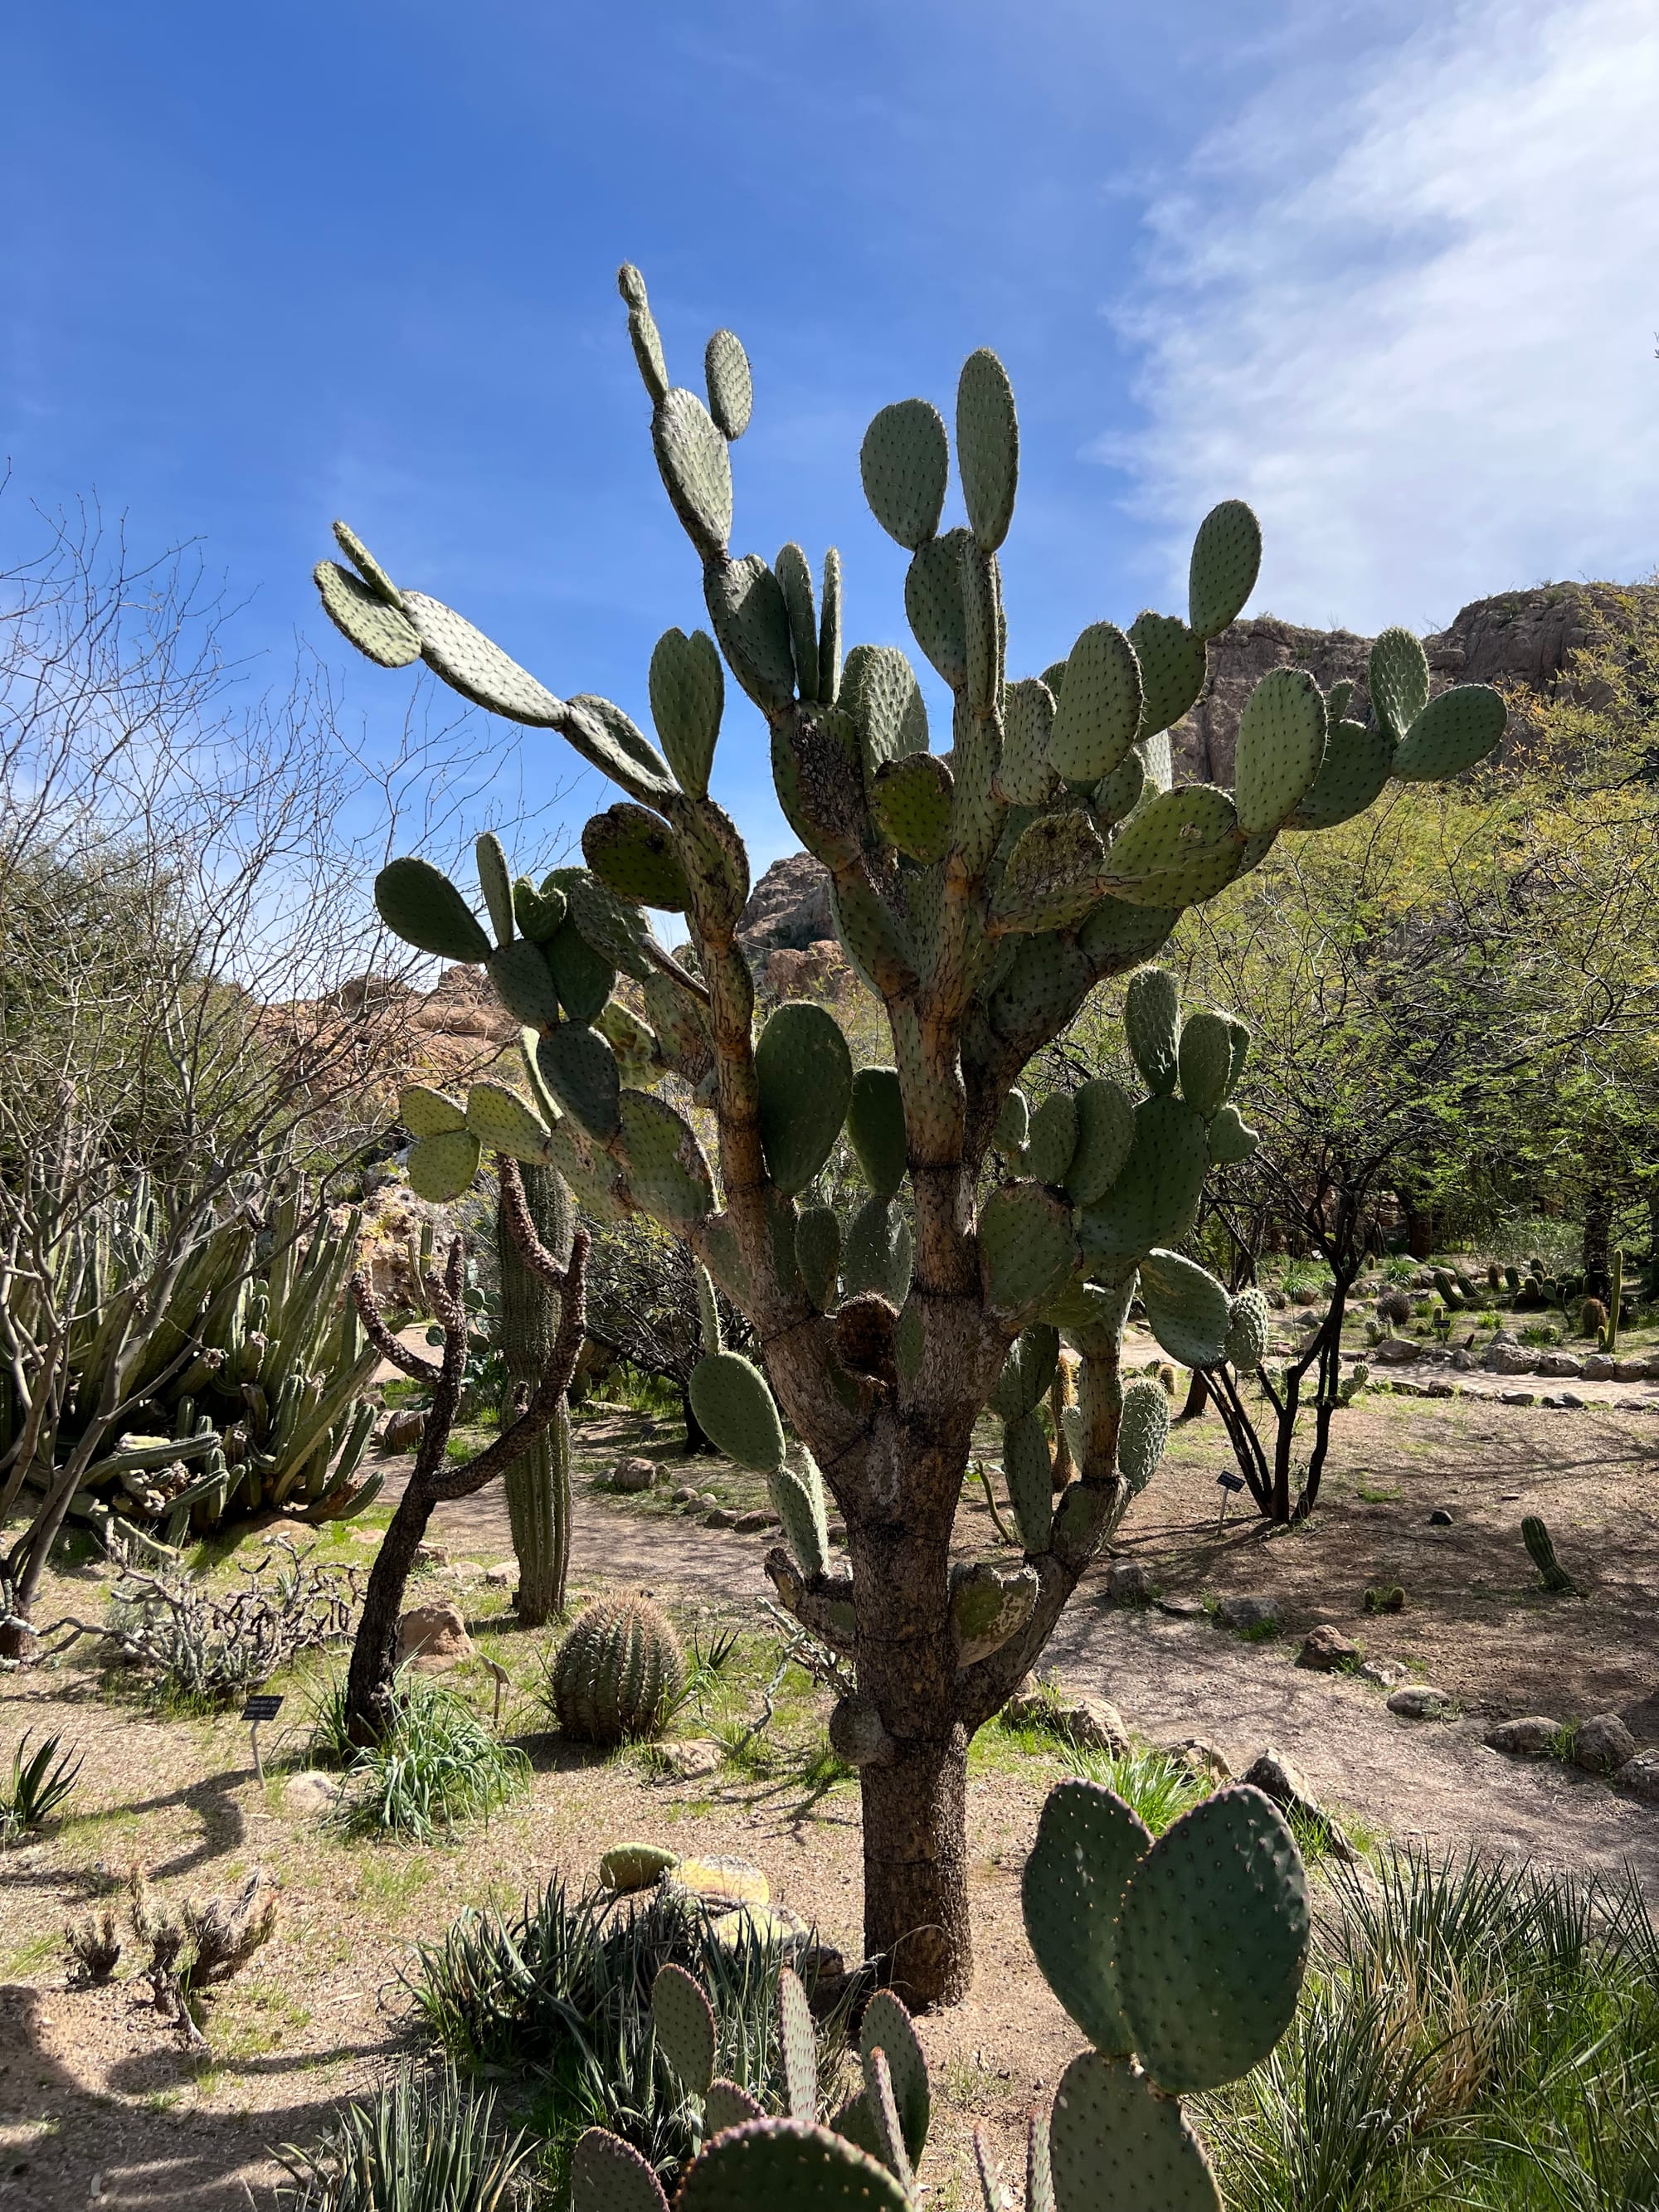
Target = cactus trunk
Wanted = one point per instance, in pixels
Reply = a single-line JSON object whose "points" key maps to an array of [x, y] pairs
{"points": [[538, 1484]]}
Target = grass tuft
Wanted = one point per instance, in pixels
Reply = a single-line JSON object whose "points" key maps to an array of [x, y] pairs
{"points": [[438, 1767]]}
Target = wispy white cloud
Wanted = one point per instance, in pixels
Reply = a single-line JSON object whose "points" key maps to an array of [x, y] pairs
{"points": [[1408, 312]]}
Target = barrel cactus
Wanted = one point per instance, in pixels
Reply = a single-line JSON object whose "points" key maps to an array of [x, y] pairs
{"points": [[619, 1673], [981, 888]]}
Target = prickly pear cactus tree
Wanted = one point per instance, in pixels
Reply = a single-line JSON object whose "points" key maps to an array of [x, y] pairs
{"points": [[980, 889]]}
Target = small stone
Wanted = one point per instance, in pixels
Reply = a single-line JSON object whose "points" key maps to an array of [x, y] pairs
{"points": [[1603, 1745], [688, 1760], [1550, 1399], [837, 1531], [1418, 1701], [1532, 1736], [1180, 1608], [1325, 1647], [719, 1516], [1462, 1362], [1640, 1776], [1384, 1672], [1277, 1779], [430, 1555], [1438, 1390], [1247, 1612], [502, 1575], [310, 1793], [1599, 1367], [632, 1475], [1193, 1756], [756, 1523], [1518, 1398], [1570, 1399], [1093, 1725], [1126, 1583], [401, 1431], [684, 1493], [823, 1969], [432, 1638], [1440, 1518]]}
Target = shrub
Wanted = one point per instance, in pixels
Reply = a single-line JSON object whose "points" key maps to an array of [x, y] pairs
{"points": [[417, 2145], [437, 1766]]}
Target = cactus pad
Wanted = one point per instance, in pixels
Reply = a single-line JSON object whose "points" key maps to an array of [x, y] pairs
{"points": [[523, 980], [502, 1122], [1281, 744], [905, 462], [1026, 1248], [1171, 662], [1027, 1371], [1105, 1133], [1398, 676], [988, 1604], [1114, 2143], [613, 926], [1151, 1025], [877, 1254], [628, 1867], [696, 470], [746, 607], [910, 798], [768, 2163], [1118, 794], [366, 565], [887, 2026], [805, 1075], [495, 881], [817, 1252], [1356, 764], [875, 1128], [988, 446], [475, 666], [686, 2027], [1230, 1137], [1028, 1470], [730, 386], [933, 608], [1452, 734], [380, 632], [798, 2047], [734, 1403], [1246, 1342], [797, 1501], [666, 1170], [1143, 1432], [688, 696], [619, 1673], [428, 1112], [1089, 1843], [580, 1069], [537, 913], [1097, 712], [728, 2105], [1226, 559], [1187, 1309], [1052, 877], [1052, 1141], [631, 851], [880, 692], [1206, 1061], [1180, 846], [418, 903], [795, 582], [1154, 1201], [1024, 777], [608, 2175], [1213, 1941], [441, 1168], [582, 976]]}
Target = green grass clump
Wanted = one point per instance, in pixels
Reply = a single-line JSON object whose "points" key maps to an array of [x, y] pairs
{"points": [[1152, 1784], [437, 1767], [37, 1787], [418, 2145]]}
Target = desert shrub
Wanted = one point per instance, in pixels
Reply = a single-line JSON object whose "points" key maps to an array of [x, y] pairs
{"points": [[420, 2144], [438, 1766], [40, 1783]]}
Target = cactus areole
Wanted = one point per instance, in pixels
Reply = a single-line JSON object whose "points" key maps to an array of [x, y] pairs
{"points": [[980, 898]]}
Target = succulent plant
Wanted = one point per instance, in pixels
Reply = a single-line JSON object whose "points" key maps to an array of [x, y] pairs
{"points": [[1542, 1550], [619, 1673], [980, 895]]}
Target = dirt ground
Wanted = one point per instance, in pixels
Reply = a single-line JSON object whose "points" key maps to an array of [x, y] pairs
{"points": [[101, 2105]]}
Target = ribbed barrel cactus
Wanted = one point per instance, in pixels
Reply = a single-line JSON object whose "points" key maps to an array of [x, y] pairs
{"points": [[980, 891], [619, 1673]]}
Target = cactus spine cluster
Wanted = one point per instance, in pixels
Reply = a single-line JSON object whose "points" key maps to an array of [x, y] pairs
{"points": [[619, 1673], [980, 889], [1180, 1960]]}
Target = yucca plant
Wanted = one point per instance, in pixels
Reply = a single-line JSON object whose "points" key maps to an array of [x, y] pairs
{"points": [[40, 1781], [420, 2144]]}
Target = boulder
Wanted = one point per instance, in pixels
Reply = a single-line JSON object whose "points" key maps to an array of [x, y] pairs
{"points": [[789, 905], [402, 1429], [634, 1475], [1243, 1613], [1092, 1722], [1192, 1755], [1397, 1351], [1277, 1779], [689, 1759], [1126, 1583], [1384, 1672], [719, 1516], [1326, 1649], [432, 1638], [685, 1493], [1603, 1745], [1599, 1367], [721, 1882], [1419, 1701], [757, 1523], [1532, 1736], [1510, 1359], [309, 1794], [1557, 1364], [1640, 1776], [503, 1574]]}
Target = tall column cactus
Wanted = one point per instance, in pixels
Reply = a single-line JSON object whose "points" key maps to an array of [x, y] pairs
{"points": [[980, 894], [538, 1484]]}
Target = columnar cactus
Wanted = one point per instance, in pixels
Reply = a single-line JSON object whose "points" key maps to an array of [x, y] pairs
{"points": [[981, 892], [538, 1484]]}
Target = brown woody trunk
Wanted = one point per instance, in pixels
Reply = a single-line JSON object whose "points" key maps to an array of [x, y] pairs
{"points": [[374, 1652], [915, 1868]]}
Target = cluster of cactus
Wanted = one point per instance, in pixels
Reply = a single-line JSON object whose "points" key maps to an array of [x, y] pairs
{"points": [[1541, 1549], [619, 1673], [980, 894], [1180, 1960], [251, 1392]]}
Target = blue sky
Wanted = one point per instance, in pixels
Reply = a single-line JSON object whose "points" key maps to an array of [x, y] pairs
{"points": [[1391, 271]]}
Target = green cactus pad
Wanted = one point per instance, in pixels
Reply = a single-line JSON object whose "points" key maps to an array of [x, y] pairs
{"points": [[608, 2175], [582, 976], [495, 881], [817, 1252], [1118, 794], [876, 1130], [883, 2108], [1356, 766], [1226, 558], [667, 1172], [1026, 1247], [502, 1122], [911, 801], [475, 666], [1024, 777], [611, 742], [877, 1254], [1097, 711], [769, 2163], [1119, 934], [686, 2027], [887, 2026], [1398, 678], [441, 1168], [989, 1603], [988, 446], [1172, 667], [1027, 1371], [1143, 1432], [1452, 734], [537, 913], [1246, 1343], [612, 925], [798, 1502], [631, 851], [730, 386], [1014, 1124], [830, 629], [418, 903], [632, 1042], [580, 1069], [366, 565], [734, 1401], [1173, 847], [933, 608], [427, 1113], [1028, 1470], [728, 2105], [380, 632], [1105, 1133], [804, 1075], [1052, 879], [1151, 1027], [1186, 1309], [1230, 1140], [628, 1867], [1214, 1943], [1155, 1198], [794, 577], [1114, 2143], [1052, 1141], [696, 470], [710, 1334], [746, 607], [905, 463], [1281, 744], [688, 696], [798, 2047], [1089, 1843], [1206, 1061], [879, 690], [522, 979], [983, 637]]}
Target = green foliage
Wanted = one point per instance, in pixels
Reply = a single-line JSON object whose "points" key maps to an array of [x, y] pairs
{"points": [[422, 2143], [40, 1781], [437, 1767]]}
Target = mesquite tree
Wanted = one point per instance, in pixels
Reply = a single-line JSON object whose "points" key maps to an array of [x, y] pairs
{"points": [[980, 895]]}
